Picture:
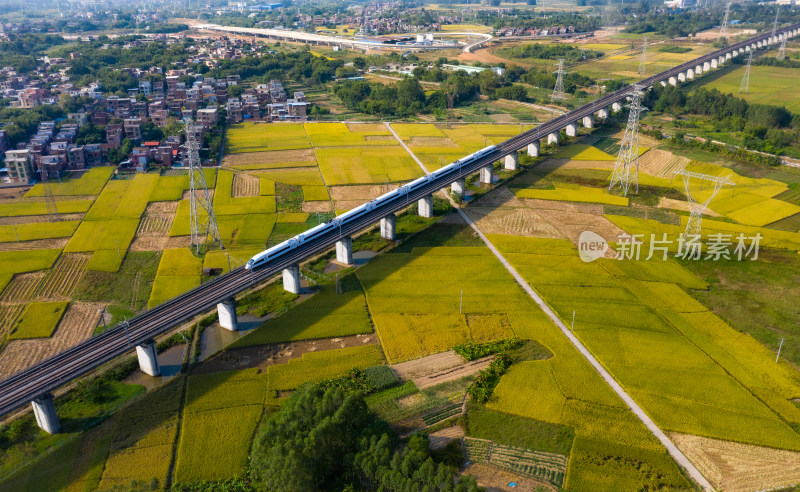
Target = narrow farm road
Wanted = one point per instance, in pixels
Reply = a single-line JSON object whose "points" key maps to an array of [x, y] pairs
{"points": [[672, 449]]}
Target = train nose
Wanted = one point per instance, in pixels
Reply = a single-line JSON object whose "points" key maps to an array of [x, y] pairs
{"points": [[247, 267]]}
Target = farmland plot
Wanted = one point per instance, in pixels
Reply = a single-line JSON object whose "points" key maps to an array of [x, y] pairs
{"points": [[60, 281]]}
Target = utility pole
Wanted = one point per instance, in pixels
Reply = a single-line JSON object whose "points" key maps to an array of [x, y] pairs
{"points": [[745, 85], [15, 231], [573, 321], [118, 252], [558, 91], [779, 351]]}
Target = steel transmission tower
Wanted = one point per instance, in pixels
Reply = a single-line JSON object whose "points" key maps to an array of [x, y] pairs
{"points": [[775, 22], [558, 91], [782, 49], [643, 63], [626, 168], [745, 85], [696, 208], [49, 199], [723, 29], [203, 221]]}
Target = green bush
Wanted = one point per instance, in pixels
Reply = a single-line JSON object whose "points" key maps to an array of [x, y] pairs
{"points": [[381, 377], [474, 351]]}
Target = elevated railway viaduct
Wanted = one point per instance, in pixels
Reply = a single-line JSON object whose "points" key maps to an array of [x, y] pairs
{"points": [[34, 385]]}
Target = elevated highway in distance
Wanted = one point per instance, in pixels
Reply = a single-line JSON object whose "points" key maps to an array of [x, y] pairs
{"points": [[35, 384], [351, 42]]}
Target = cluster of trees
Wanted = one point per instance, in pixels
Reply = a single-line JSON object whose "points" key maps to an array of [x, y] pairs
{"points": [[675, 24], [539, 19], [553, 52], [328, 440], [765, 128], [21, 50], [404, 99], [22, 123]]}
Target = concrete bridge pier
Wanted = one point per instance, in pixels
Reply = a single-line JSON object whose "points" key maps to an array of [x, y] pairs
{"points": [[425, 206], [148, 357], [344, 249], [698, 70], [721, 60], [511, 161], [533, 149], [673, 81], [572, 130], [603, 113], [487, 175], [553, 138], [44, 409], [389, 227], [690, 74], [682, 77], [759, 44], [728, 56], [458, 187], [714, 63], [588, 122], [226, 312], [616, 107], [291, 279], [663, 83]]}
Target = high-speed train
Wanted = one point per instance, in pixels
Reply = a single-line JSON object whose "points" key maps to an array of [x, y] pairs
{"points": [[346, 218]]}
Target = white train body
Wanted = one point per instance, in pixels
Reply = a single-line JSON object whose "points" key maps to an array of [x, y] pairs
{"points": [[355, 214]]}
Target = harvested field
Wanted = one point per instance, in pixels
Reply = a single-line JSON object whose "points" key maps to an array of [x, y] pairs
{"points": [[154, 225], [683, 205], [572, 224], [311, 207], [187, 194], [439, 439], [496, 479], [499, 197], [553, 164], [77, 325], [453, 373], [37, 244], [359, 192], [27, 219], [270, 160], [735, 467], [431, 142], [8, 315], [245, 185], [661, 163], [426, 366], [60, 281], [512, 221], [21, 289]]}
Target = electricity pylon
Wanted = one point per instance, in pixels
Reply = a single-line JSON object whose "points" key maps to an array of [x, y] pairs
{"points": [[49, 199], [696, 209], [782, 49], [626, 168], [745, 85], [775, 22], [202, 218], [723, 29], [643, 63], [558, 91]]}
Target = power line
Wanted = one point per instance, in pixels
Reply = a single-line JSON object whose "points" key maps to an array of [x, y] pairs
{"points": [[775, 22], [745, 85], [626, 168]]}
